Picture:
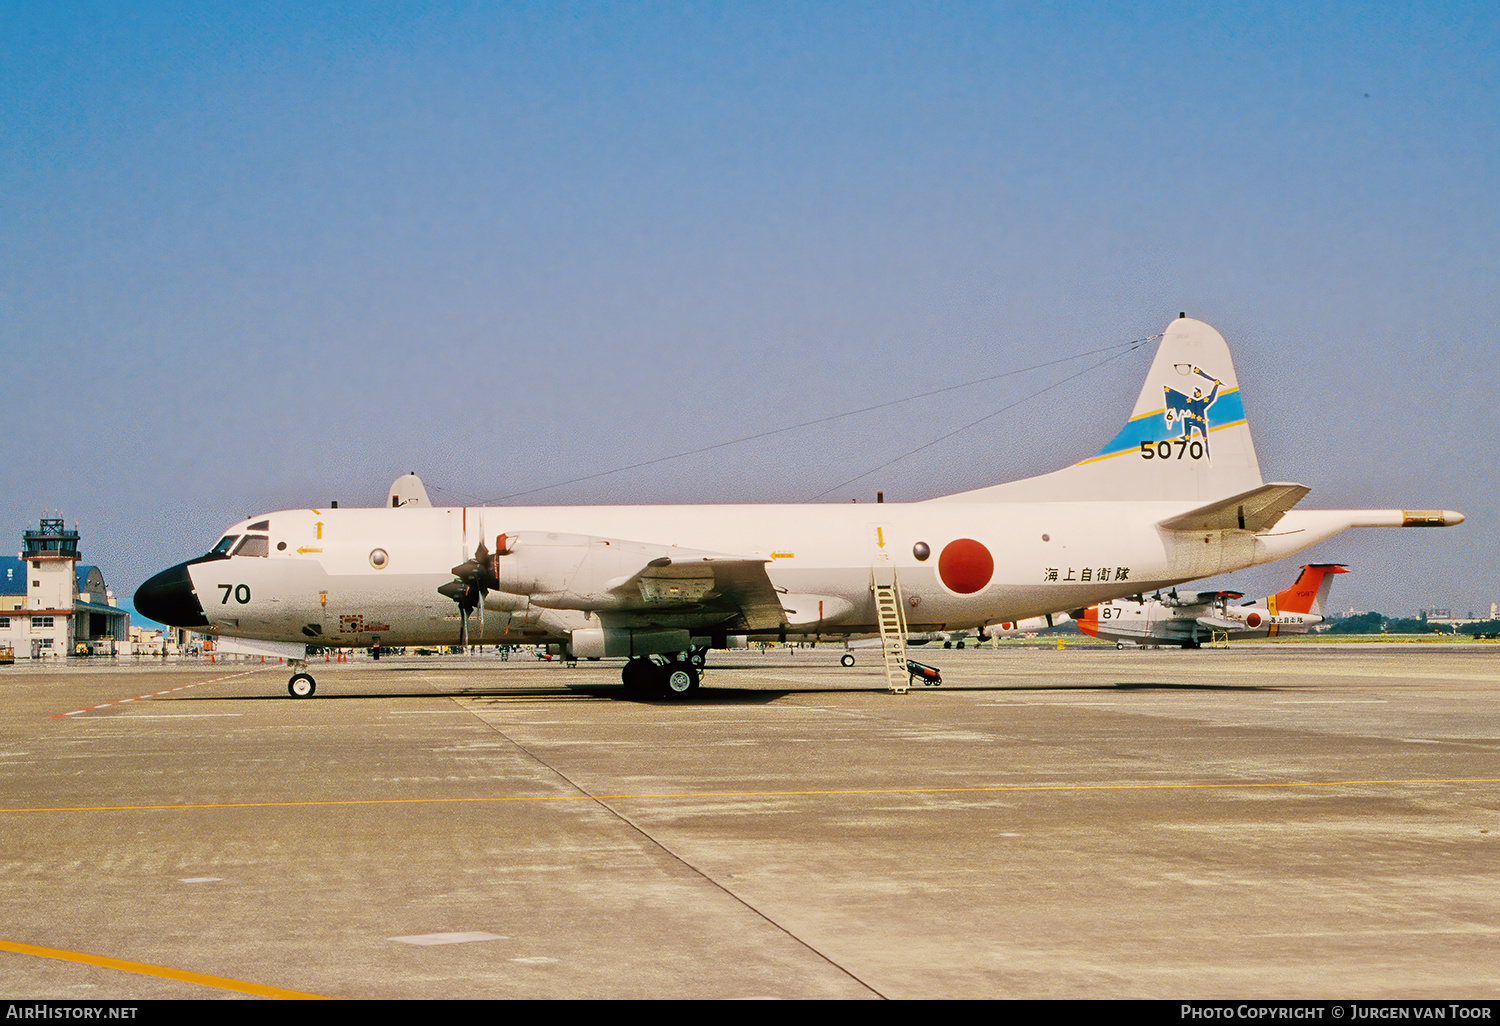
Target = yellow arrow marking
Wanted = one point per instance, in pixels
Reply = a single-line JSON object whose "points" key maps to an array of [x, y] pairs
{"points": [[304, 552], [880, 537], [319, 526]]}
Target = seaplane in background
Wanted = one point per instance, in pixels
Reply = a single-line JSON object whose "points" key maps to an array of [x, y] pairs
{"points": [[1189, 618], [1175, 496]]}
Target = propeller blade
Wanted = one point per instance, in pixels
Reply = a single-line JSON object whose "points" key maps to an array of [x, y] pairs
{"points": [[473, 578]]}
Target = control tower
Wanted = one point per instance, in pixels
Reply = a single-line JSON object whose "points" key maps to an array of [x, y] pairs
{"points": [[51, 554]]}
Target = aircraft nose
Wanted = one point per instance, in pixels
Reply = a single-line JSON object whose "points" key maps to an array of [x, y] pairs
{"points": [[169, 598]]}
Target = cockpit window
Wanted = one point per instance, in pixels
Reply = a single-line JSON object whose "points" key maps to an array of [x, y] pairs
{"points": [[254, 545], [260, 525], [225, 544]]}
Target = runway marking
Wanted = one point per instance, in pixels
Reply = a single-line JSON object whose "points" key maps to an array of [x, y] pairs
{"points": [[1332, 701], [748, 794], [428, 939], [181, 975], [179, 716], [156, 694]]}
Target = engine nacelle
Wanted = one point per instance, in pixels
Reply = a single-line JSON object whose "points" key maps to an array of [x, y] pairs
{"points": [[576, 571], [614, 642]]}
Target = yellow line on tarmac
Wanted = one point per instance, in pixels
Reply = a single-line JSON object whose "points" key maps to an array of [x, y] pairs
{"points": [[259, 990], [753, 794]]}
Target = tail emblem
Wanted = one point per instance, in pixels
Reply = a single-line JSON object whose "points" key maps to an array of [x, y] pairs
{"points": [[1191, 411]]}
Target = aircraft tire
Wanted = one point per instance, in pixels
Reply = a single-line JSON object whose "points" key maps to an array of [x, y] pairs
{"points": [[301, 685], [847, 659], [679, 679], [1119, 644], [637, 675]]}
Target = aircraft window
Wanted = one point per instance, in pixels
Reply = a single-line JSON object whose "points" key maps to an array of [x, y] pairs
{"points": [[254, 545], [225, 544], [260, 525]]}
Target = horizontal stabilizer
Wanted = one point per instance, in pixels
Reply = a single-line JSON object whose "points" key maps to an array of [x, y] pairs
{"points": [[1257, 510]]}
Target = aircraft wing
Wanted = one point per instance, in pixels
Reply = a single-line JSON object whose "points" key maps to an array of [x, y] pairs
{"points": [[720, 587], [1219, 623], [1256, 510]]}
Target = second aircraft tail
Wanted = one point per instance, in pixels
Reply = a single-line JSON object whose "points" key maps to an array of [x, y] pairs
{"points": [[1309, 592]]}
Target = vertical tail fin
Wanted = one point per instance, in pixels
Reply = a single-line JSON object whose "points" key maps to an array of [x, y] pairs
{"points": [[1187, 437], [1308, 593]]}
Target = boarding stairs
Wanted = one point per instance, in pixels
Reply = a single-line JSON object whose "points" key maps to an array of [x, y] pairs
{"points": [[892, 620]]}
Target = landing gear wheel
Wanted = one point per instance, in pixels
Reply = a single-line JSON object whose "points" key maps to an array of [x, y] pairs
{"points": [[637, 676], [301, 685], [846, 659], [679, 679]]}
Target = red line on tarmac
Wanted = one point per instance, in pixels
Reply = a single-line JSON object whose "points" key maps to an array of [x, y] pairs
{"points": [[154, 694]]}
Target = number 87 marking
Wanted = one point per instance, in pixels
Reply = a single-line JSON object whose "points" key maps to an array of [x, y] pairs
{"points": [[1163, 450]]}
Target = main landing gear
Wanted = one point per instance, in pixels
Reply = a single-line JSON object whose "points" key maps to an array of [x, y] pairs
{"points": [[662, 677]]}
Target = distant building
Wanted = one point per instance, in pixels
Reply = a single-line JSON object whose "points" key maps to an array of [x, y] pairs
{"points": [[52, 606], [1445, 617]]}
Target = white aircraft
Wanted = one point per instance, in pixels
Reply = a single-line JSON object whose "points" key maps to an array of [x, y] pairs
{"points": [[1008, 629], [1188, 618], [1030, 625], [1177, 495]]}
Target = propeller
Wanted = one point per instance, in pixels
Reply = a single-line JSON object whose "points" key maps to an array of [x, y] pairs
{"points": [[473, 578]]}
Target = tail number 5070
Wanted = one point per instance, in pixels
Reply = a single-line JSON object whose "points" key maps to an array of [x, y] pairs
{"points": [[1163, 450]]}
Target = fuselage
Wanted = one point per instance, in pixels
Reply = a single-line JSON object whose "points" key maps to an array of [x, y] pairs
{"points": [[348, 577]]}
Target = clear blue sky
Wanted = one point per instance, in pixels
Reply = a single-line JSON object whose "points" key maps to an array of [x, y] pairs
{"points": [[265, 256]]}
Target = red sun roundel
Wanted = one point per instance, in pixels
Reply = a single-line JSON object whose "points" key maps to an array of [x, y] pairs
{"points": [[1253, 620], [965, 566]]}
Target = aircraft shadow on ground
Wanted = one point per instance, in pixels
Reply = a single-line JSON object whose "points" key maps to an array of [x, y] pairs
{"points": [[709, 695], [704, 696]]}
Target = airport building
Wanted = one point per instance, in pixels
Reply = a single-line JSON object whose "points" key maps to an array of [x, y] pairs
{"points": [[1446, 618], [51, 605]]}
